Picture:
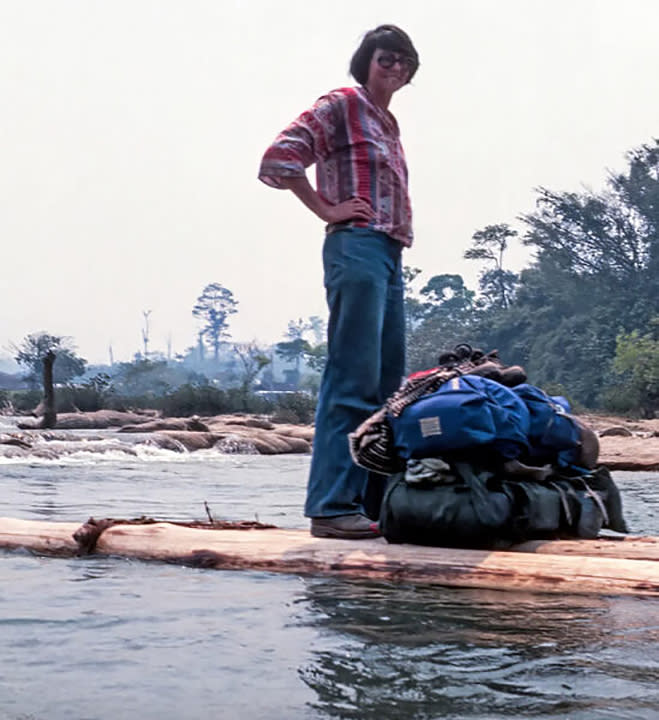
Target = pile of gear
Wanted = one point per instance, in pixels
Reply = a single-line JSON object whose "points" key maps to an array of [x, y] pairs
{"points": [[480, 458]]}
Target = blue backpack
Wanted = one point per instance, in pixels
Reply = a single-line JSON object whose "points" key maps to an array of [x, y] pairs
{"points": [[554, 436], [465, 412]]}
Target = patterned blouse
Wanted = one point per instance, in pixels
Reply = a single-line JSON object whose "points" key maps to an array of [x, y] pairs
{"points": [[357, 150]]}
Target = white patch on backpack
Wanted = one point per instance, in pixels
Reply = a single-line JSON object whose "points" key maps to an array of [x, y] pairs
{"points": [[430, 426]]}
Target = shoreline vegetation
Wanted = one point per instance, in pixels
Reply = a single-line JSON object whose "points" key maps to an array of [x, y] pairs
{"points": [[625, 443]]}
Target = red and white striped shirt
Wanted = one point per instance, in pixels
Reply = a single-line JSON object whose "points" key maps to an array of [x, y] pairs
{"points": [[357, 150]]}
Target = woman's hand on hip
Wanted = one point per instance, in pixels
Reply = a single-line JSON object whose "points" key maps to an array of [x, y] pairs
{"points": [[353, 209]]}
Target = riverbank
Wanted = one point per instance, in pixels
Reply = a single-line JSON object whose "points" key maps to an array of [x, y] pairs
{"points": [[626, 444]]}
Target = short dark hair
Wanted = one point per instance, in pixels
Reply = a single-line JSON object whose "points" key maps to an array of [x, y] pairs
{"points": [[385, 37]]}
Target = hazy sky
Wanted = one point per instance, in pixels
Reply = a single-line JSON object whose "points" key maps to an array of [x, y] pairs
{"points": [[131, 133]]}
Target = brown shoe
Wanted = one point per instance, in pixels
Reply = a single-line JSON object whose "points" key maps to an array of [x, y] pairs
{"points": [[346, 527]]}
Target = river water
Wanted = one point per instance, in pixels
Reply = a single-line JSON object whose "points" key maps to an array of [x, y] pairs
{"points": [[98, 638]]}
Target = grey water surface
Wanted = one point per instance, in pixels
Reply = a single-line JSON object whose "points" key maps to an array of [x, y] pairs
{"points": [[98, 638]]}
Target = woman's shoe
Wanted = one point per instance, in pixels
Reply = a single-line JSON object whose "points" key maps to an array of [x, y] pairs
{"points": [[347, 527]]}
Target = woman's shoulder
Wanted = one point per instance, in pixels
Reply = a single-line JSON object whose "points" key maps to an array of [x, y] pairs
{"points": [[341, 95]]}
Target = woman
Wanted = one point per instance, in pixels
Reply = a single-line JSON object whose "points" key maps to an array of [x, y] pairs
{"points": [[362, 194]]}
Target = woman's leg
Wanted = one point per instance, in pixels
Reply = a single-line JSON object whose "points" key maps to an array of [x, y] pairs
{"points": [[360, 268], [392, 369]]}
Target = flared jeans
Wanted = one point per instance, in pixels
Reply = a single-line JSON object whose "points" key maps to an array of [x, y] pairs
{"points": [[365, 364]]}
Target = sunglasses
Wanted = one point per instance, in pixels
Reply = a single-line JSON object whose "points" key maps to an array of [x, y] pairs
{"points": [[388, 59]]}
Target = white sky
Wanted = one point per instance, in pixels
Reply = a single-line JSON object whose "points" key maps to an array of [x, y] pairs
{"points": [[131, 133]]}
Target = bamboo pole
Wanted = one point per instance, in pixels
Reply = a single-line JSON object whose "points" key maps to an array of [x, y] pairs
{"points": [[295, 551]]}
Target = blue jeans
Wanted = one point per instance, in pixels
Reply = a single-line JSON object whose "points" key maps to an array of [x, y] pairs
{"points": [[365, 364]]}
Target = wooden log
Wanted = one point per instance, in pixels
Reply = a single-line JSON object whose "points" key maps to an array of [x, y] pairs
{"points": [[295, 551], [623, 548], [55, 538], [47, 538]]}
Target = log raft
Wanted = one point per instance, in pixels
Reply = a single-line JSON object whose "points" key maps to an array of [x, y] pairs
{"points": [[628, 566]]}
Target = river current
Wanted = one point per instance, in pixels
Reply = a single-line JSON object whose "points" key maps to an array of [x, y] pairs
{"points": [[101, 638]]}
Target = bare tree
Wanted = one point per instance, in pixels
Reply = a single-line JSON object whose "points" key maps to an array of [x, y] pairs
{"points": [[49, 418], [145, 333]]}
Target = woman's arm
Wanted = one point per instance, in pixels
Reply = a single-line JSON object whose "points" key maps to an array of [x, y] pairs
{"points": [[310, 137], [353, 209]]}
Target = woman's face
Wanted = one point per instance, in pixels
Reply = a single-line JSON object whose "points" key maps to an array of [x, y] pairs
{"points": [[389, 70]]}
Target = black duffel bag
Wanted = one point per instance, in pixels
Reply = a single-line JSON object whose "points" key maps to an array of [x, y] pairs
{"points": [[566, 506], [464, 513], [478, 509]]}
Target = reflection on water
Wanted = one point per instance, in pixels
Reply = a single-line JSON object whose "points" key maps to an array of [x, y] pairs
{"points": [[106, 638], [387, 651]]}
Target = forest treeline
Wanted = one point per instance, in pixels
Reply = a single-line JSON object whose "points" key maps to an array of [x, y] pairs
{"points": [[583, 317]]}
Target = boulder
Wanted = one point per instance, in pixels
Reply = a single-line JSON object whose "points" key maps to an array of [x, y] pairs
{"points": [[192, 424], [164, 442], [270, 444], [305, 432], [95, 420], [240, 420], [190, 439], [295, 444], [614, 430]]}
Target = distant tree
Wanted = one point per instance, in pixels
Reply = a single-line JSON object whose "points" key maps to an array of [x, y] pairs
{"points": [[318, 329], [141, 377], [496, 284], [253, 359], [414, 307], [98, 390], [35, 347], [213, 307], [449, 295], [316, 356], [446, 318], [152, 377], [293, 351], [296, 329], [295, 347], [637, 361]]}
